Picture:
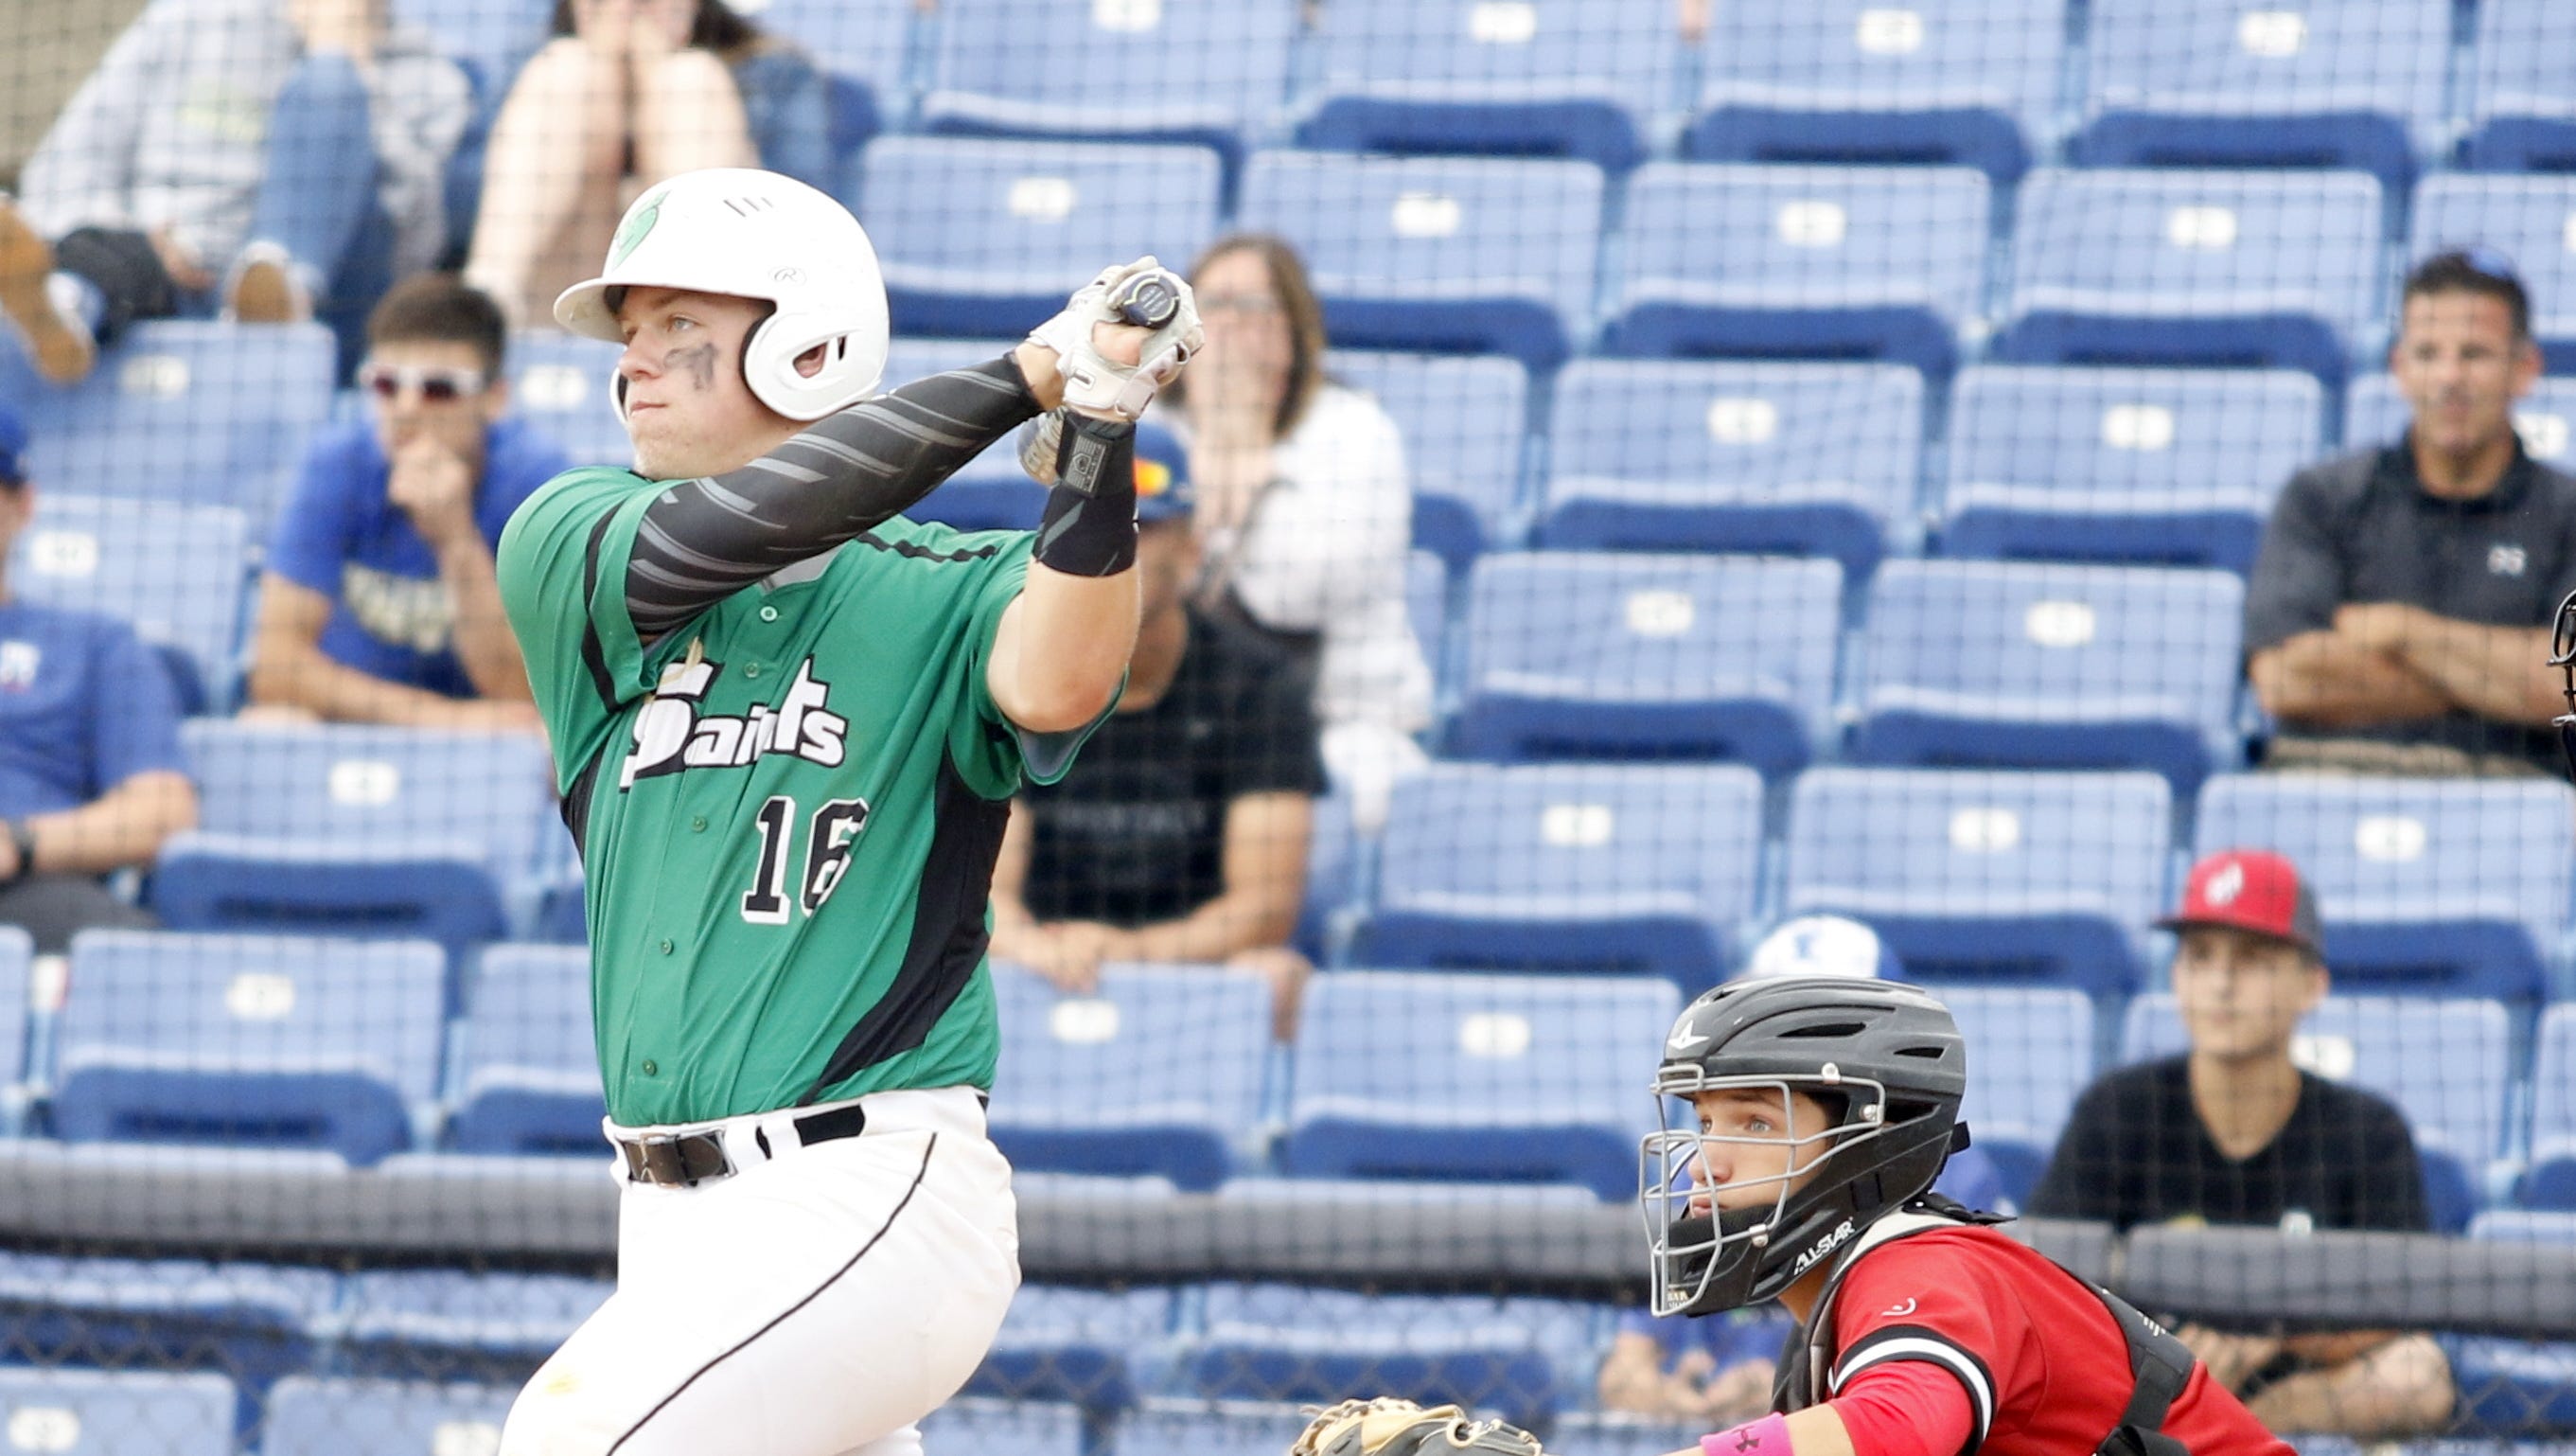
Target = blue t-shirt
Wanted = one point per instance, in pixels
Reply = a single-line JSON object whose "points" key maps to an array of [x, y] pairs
{"points": [[84, 706], [390, 615]]}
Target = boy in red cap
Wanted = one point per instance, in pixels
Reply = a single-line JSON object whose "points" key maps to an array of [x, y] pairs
{"points": [[2235, 1132]]}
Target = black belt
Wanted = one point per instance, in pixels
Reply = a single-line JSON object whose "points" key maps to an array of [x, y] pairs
{"points": [[685, 1160]]}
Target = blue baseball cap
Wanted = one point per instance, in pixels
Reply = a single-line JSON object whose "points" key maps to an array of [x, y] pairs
{"points": [[1162, 476], [13, 445]]}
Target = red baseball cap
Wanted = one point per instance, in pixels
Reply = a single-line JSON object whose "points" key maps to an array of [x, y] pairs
{"points": [[2253, 890]]}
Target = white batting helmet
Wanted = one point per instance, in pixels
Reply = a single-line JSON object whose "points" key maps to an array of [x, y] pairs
{"points": [[754, 234]]}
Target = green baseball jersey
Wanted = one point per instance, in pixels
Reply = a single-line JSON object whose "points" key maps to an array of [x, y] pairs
{"points": [[788, 808]]}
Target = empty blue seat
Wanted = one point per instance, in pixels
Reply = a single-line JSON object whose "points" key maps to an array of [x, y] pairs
{"points": [[337, 1416], [1426, 607], [17, 949], [1073, 1345], [1968, 82], [2524, 1226], [972, 1427], [248, 1041], [357, 830], [253, 1322], [2376, 414], [1158, 1071], [2156, 466], [987, 237], [2551, 1181], [2512, 1387], [1571, 866], [2030, 665], [1203, 71], [2223, 269], [1630, 655], [1175, 1426], [864, 48], [528, 1066], [2210, 83], [990, 492], [2530, 219], [2521, 118], [2036, 878], [1466, 255], [1726, 260], [566, 387], [2443, 1063], [119, 1413], [176, 573], [1462, 426], [1475, 1078], [193, 413], [2427, 886], [1548, 78], [1669, 456], [1281, 1342], [2030, 1055], [451, 1324]]}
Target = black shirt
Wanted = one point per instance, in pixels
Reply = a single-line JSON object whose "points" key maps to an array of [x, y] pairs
{"points": [[1136, 832], [2135, 1152], [2360, 528]]}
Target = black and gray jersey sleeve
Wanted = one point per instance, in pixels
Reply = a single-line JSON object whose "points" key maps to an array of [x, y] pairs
{"points": [[702, 540]]}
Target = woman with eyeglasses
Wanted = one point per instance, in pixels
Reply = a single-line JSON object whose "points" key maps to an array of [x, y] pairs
{"points": [[630, 92], [1305, 512]]}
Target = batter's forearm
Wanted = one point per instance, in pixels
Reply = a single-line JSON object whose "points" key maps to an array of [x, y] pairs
{"points": [[1062, 649], [703, 540]]}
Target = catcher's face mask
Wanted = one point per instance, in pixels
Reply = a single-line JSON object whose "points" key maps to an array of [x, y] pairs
{"points": [[1721, 1192], [2562, 656]]}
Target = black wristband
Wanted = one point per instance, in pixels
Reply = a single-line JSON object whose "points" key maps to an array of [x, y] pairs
{"points": [[1090, 523], [23, 839]]}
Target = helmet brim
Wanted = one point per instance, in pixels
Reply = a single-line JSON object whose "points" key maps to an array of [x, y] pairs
{"points": [[583, 309]]}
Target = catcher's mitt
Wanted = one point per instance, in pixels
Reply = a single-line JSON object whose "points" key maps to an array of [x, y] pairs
{"points": [[1390, 1427]]}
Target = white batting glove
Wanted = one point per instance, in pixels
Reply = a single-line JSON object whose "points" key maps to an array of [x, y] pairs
{"points": [[1095, 386]]}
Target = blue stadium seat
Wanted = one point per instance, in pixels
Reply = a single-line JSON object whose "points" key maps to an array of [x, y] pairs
{"points": [[2031, 878], [2551, 1180], [1158, 1071], [489, 38], [2210, 83], [2521, 118], [17, 1067], [528, 1066], [1462, 426], [1475, 1078], [1426, 609], [1630, 655], [116, 1413], [192, 413], [565, 387], [1333, 872], [177, 573], [1798, 459], [2031, 665], [1280, 1342], [2376, 414], [1073, 1345], [1470, 255], [2531, 219], [864, 47], [1567, 866], [449, 1324], [358, 831], [2444, 1063], [1967, 82], [2222, 269], [990, 492], [2427, 886], [337, 1416], [2030, 1055], [972, 1427], [2512, 1388], [1545, 78], [984, 236], [2153, 466], [1175, 1426], [2524, 1226], [1204, 71], [253, 1322], [1726, 260], [248, 1041]]}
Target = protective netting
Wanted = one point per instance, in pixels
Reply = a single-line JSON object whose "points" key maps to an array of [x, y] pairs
{"points": [[1673, 490]]}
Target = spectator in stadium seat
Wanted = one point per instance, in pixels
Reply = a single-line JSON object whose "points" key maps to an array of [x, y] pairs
{"points": [[1305, 513], [292, 151], [378, 603], [92, 779], [1183, 835], [2235, 1132], [630, 92], [2398, 617]]}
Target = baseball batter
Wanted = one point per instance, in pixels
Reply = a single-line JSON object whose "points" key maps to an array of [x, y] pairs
{"points": [[787, 725]]}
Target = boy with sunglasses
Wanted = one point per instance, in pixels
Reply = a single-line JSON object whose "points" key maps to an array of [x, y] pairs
{"points": [[378, 604]]}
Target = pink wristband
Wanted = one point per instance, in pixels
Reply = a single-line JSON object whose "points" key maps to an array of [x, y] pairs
{"points": [[1768, 1436]]}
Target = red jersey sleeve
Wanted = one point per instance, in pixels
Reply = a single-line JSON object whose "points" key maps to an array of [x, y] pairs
{"points": [[1912, 1301], [1906, 1408]]}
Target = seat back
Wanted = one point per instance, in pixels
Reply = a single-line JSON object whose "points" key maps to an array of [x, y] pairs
{"points": [[335, 1416], [113, 1413], [2219, 437], [1865, 58], [176, 573], [1462, 420], [1120, 65], [565, 386], [528, 1077]]}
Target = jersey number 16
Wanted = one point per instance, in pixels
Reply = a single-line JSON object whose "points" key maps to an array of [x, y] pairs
{"points": [[827, 857]]}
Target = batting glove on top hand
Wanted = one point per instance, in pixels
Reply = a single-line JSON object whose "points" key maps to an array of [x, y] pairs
{"points": [[1092, 384], [1390, 1427]]}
